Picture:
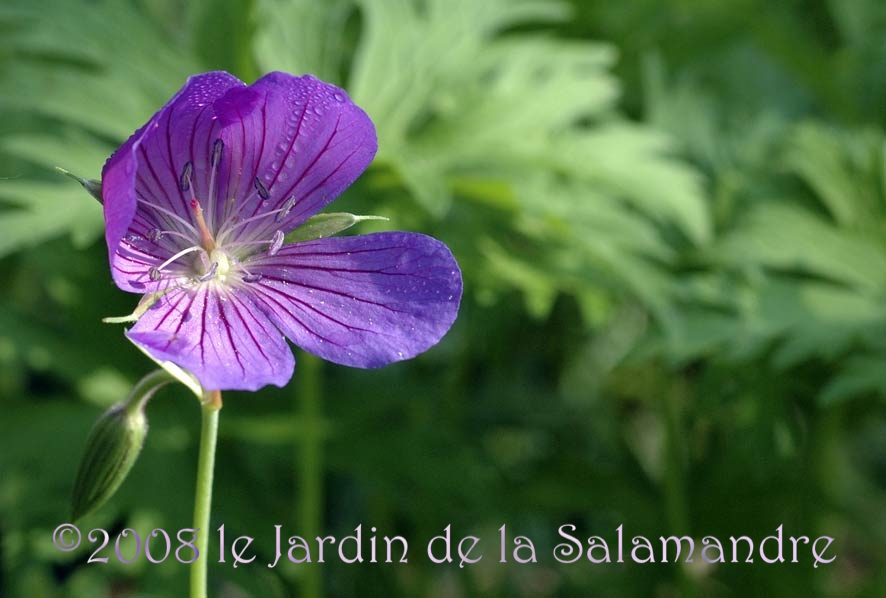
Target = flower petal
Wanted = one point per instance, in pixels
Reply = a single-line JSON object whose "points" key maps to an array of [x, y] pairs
{"points": [[217, 335], [362, 301], [149, 167], [296, 143]]}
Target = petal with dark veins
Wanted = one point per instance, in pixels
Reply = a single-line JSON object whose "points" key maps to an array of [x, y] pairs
{"points": [[362, 301], [218, 335]]}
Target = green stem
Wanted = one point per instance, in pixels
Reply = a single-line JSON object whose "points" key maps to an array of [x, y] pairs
{"points": [[210, 407], [675, 499], [310, 464], [144, 390]]}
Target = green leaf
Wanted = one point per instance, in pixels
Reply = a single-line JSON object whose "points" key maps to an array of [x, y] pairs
{"points": [[37, 211], [859, 375], [782, 236], [302, 36]]}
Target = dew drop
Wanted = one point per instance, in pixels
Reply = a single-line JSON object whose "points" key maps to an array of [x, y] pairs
{"points": [[338, 97], [252, 277]]}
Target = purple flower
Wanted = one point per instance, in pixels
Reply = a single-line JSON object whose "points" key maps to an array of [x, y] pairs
{"points": [[198, 203]]}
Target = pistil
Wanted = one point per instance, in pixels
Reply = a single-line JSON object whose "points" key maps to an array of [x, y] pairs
{"points": [[206, 238], [184, 181]]}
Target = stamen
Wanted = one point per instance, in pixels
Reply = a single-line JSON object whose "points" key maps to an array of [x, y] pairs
{"points": [[210, 273], [217, 147], [184, 181], [244, 244], [161, 234], [232, 224], [251, 277], [191, 249], [215, 159], [284, 210], [261, 189], [276, 243], [172, 216], [154, 273], [155, 234]]}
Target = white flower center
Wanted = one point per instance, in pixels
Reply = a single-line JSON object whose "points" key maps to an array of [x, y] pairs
{"points": [[224, 264]]}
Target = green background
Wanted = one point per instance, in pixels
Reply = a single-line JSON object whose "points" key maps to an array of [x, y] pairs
{"points": [[670, 217]]}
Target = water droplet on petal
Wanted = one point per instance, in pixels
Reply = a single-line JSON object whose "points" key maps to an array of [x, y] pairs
{"points": [[338, 97]]}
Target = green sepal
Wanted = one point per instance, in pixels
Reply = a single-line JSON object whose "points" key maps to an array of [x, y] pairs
{"points": [[92, 186], [113, 446], [326, 225], [144, 304]]}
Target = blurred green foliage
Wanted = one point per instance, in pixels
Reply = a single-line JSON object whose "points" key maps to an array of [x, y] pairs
{"points": [[670, 215]]}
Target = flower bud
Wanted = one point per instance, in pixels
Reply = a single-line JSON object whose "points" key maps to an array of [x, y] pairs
{"points": [[113, 446]]}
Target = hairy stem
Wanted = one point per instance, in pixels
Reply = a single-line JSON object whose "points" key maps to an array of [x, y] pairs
{"points": [[310, 465], [210, 407]]}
